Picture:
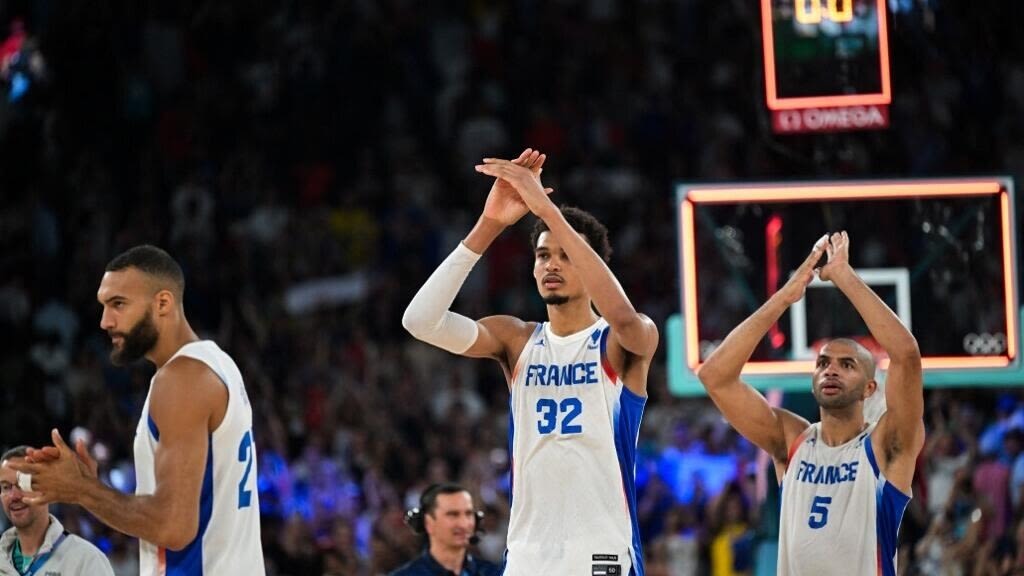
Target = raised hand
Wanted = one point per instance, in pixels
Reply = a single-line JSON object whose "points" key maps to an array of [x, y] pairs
{"points": [[530, 193], [82, 450], [50, 453], [504, 203], [44, 454], [57, 479], [838, 247], [794, 288]]}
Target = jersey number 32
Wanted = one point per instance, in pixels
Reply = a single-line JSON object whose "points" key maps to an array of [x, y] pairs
{"points": [[549, 410]]}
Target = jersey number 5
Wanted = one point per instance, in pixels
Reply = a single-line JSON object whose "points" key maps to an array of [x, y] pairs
{"points": [[548, 411], [819, 512]]}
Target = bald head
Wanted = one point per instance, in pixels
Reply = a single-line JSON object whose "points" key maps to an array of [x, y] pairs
{"points": [[865, 359], [161, 271]]}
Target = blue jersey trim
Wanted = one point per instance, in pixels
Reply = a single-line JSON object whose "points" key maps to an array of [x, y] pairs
{"points": [[153, 430], [189, 560], [870, 450], [511, 453], [890, 503], [629, 413]]}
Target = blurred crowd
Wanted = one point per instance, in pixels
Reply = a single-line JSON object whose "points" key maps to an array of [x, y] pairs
{"points": [[309, 163]]}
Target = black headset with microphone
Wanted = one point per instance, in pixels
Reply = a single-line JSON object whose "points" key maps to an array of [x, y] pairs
{"points": [[414, 517]]}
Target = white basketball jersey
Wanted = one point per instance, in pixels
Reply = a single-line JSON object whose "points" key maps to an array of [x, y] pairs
{"points": [[228, 541], [839, 514], [572, 433]]}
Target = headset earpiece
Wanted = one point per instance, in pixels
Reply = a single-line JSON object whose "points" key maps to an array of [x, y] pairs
{"points": [[478, 527], [414, 520]]}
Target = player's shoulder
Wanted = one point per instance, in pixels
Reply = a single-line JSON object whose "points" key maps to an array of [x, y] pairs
{"points": [[185, 379], [185, 369], [639, 342], [796, 430]]}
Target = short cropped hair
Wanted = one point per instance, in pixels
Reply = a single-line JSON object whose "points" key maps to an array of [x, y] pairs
{"points": [[154, 262], [16, 452], [428, 500]]}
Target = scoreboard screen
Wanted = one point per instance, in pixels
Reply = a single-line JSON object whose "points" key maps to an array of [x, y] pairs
{"points": [[830, 55]]}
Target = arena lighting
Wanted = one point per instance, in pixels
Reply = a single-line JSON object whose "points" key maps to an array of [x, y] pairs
{"points": [[726, 195], [772, 240], [690, 277], [934, 362], [1008, 272], [693, 195]]}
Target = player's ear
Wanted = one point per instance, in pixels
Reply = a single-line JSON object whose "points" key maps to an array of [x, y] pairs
{"points": [[165, 302], [870, 387]]}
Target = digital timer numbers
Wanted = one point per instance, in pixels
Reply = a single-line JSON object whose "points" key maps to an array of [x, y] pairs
{"points": [[813, 11]]}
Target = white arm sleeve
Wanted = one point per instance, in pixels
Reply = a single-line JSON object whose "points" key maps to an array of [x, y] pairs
{"points": [[428, 317]]}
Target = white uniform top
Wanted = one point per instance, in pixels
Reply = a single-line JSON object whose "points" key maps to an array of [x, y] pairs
{"points": [[228, 541], [572, 433], [839, 514]]}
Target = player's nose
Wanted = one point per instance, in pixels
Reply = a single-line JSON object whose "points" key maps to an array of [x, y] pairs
{"points": [[106, 322]]}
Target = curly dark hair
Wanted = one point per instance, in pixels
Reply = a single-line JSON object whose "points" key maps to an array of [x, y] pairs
{"points": [[584, 223]]}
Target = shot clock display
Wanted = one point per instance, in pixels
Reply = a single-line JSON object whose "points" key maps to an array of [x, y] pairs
{"points": [[826, 64]]}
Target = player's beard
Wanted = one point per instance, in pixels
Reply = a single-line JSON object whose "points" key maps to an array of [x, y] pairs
{"points": [[555, 299], [847, 398], [137, 342]]}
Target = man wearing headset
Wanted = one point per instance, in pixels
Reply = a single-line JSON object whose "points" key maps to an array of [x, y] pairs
{"points": [[447, 519]]}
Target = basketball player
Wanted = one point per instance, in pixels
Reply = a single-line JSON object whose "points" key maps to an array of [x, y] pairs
{"points": [[196, 509], [578, 381], [845, 482]]}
